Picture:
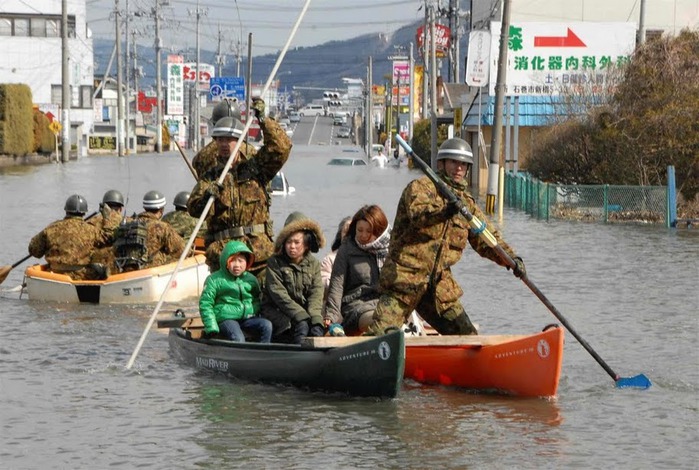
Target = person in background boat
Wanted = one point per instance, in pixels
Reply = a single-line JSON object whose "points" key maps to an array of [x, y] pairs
{"points": [[354, 284], [68, 244], [292, 295], [429, 237], [326, 266], [181, 221], [146, 241], [115, 201], [208, 158], [230, 302], [380, 160], [241, 203]]}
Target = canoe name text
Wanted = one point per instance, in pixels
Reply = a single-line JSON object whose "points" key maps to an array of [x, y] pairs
{"points": [[211, 363]]}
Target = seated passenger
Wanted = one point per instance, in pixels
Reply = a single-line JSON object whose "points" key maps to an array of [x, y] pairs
{"points": [[354, 284], [68, 244], [230, 302], [146, 241], [181, 221], [292, 297]]}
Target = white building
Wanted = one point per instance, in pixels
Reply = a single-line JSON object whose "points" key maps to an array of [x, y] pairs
{"points": [[30, 32]]}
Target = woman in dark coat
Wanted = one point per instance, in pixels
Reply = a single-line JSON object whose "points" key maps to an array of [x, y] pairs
{"points": [[353, 291], [292, 298]]}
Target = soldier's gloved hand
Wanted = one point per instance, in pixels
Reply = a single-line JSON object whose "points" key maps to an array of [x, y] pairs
{"points": [[519, 270], [105, 210], [451, 209], [258, 108], [317, 330], [214, 189]]}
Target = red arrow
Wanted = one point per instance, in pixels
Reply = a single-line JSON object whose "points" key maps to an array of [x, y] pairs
{"points": [[571, 40]]}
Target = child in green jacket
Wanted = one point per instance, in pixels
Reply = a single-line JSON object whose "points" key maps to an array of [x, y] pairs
{"points": [[230, 302]]}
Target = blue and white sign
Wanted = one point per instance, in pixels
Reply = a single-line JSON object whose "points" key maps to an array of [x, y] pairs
{"points": [[227, 87]]}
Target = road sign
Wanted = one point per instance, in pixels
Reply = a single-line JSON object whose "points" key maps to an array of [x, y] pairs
{"points": [[549, 58], [55, 127], [478, 59], [227, 87]]}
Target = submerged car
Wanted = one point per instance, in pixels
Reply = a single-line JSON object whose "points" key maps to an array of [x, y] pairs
{"points": [[280, 185], [347, 161], [344, 131]]}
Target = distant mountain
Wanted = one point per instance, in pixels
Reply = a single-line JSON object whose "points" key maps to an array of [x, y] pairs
{"points": [[321, 66]]}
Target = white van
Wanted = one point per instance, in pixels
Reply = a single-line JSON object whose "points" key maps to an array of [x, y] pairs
{"points": [[312, 110]]}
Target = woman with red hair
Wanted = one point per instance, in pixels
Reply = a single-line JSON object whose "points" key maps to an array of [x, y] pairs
{"points": [[353, 291]]}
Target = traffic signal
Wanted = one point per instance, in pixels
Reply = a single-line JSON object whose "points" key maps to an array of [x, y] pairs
{"points": [[331, 95]]}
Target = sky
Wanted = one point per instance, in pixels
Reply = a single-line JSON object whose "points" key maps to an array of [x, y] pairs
{"points": [[270, 22]]}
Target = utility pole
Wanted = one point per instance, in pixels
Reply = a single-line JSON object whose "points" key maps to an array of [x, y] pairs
{"points": [[411, 98], [158, 85], [433, 90], [368, 118], [120, 95], [641, 24], [425, 55], [197, 117], [135, 84], [127, 55], [65, 85], [454, 12], [220, 58], [494, 168]]}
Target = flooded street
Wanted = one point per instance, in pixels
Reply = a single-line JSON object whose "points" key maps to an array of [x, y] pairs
{"points": [[631, 291]]}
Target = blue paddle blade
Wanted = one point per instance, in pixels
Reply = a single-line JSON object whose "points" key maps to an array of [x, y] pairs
{"points": [[640, 381]]}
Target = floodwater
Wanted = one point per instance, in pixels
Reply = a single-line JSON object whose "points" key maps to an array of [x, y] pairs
{"points": [[631, 291]]}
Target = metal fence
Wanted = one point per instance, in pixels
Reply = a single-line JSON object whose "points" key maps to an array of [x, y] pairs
{"points": [[591, 203]]}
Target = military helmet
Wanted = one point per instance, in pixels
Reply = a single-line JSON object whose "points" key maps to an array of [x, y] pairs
{"points": [[226, 108], [153, 200], [455, 149], [76, 204], [228, 127], [181, 199], [113, 197]]}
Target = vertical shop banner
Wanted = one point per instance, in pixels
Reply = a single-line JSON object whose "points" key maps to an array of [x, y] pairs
{"points": [[175, 85]]}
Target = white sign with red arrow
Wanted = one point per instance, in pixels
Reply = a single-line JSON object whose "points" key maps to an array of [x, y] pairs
{"points": [[550, 58]]}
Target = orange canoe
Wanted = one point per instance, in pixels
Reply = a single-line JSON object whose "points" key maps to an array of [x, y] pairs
{"points": [[521, 365]]}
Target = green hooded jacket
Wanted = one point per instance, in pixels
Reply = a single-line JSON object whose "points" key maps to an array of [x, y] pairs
{"points": [[226, 297]]}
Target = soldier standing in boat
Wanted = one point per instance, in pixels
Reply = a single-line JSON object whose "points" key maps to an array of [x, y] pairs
{"points": [[428, 238], [208, 157], [241, 203], [68, 244], [181, 221]]}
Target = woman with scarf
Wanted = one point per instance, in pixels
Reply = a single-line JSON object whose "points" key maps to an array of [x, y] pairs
{"points": [[353, 291]]}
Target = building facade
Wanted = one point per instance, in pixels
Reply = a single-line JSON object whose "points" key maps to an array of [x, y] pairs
{"points": [[31, 54]]}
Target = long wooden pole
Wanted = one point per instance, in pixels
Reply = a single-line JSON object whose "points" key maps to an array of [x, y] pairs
{"points": [[479, 226], [210, 202]]}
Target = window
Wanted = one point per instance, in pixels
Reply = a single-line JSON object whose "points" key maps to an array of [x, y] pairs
{"points": [[53, 28], [85, 96], [21, 26], [5, 27], [56, 94], [38, 27]]}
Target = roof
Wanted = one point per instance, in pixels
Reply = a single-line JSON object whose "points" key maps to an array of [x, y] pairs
{"points": [[533, 111]]}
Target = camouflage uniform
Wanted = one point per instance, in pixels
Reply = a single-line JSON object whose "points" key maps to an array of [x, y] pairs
{"points": [[182, 222], [207, 158], [425, 244], [105, 255], [68, 245], [164, 245], [241, 210]]}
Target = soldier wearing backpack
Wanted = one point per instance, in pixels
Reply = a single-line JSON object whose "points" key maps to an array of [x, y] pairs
{"points": [[146, 241]]}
